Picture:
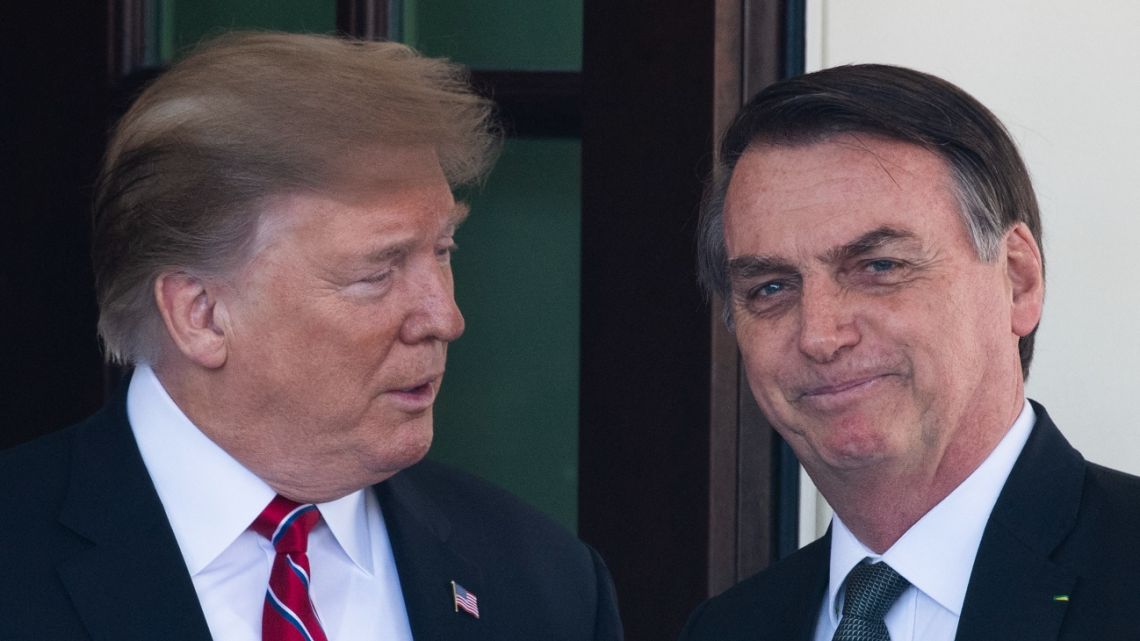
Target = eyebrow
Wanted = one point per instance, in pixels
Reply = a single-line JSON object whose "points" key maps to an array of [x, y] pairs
{"points": [[455, 218], [752, 266], [458, 214], [867, 243], [387, 254], [745, 267]]}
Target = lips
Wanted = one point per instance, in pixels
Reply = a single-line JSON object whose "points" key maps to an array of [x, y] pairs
{"points": [[840, 387], [418, 396], [416, 389], [840, 392]]}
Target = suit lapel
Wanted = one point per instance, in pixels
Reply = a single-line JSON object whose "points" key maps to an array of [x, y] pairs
{"points": [[1015, 590], [783, 604], [807, 591], [427, 564], [132, 582]]}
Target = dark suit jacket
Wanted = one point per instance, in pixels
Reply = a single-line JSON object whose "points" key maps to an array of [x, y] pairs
{"points": [[1061, 527], [86, 551]]}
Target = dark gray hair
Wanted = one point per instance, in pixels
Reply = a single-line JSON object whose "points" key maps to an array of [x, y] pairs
{"points": [[246, 117], [991, 182]]}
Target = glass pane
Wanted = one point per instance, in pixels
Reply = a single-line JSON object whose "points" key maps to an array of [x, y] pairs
{"points": [[498, 34], [509, 406], [184, 23]]}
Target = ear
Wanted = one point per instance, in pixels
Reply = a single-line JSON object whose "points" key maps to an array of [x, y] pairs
{"points": [[1026, 277], [194, 318]]}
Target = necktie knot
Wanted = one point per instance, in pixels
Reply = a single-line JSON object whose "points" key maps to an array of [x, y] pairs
{"points": [[287, 524], [871, 590]]}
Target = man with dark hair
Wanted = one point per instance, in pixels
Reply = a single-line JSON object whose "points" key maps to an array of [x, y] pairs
{"points": [[875, 238], [272, 241]]}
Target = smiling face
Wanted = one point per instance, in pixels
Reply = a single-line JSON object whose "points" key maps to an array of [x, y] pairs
{"points": [[874, 338], [337, 331]]}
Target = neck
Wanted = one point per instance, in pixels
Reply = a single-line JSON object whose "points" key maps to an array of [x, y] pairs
{"points": [[879, 504], [881, 522], [206, 401]]}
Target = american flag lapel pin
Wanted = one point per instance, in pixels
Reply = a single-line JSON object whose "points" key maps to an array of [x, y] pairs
{"points": [[464, 600]]}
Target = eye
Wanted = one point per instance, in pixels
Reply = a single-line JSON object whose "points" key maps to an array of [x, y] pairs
{"points": [[879, 272], [443, 252], [768, 297], [767, 290], [379, 277], [881, 265]]}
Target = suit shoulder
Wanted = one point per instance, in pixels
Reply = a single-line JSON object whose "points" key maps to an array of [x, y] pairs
{"points": [[1111, 504], [774, 599], [36, 476], [557, 585], [33, 472], [474, 504], [1114, 482], [35, 479], [42, 456]]}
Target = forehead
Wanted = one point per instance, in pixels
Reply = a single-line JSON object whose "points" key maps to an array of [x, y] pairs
{"points": [[812, 196], [407, 201]]}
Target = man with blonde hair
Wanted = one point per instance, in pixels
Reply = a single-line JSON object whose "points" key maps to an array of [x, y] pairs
{"points": [[272, 239]]}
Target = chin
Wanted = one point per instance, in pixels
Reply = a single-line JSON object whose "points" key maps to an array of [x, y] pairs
{"points": [[403, 449], [415, 452], [856, 457], [855, 444]]}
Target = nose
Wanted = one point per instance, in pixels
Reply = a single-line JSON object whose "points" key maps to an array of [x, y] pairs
{"points": [[827, 323], [433, 313]]}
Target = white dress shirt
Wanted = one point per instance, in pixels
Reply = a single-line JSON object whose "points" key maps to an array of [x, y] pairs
{"points": [[936, 554], [211, 500]]}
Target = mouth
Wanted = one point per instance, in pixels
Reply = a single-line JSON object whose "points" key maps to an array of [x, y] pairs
{"points": [[836, 395], [417, 397]]}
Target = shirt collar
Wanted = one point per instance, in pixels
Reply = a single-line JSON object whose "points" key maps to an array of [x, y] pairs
{"points": [[209, 497], [350, 518], [954, 528]]}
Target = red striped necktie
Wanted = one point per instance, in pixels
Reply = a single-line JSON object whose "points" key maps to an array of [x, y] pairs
{"points": [[288, 614]]}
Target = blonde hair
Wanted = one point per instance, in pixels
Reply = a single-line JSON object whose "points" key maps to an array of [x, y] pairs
{"points": [[245, 117]]}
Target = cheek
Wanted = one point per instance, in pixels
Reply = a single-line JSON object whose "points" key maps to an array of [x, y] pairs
{"points": [[982, 310], [754, 351], [763, 359], [365, 335], [357, 352], [269, 308], [954, 328], [769, 341]]}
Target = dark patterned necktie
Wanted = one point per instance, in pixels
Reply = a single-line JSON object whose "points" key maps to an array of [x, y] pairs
{"points": [[288, 613], [870, 592]]}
